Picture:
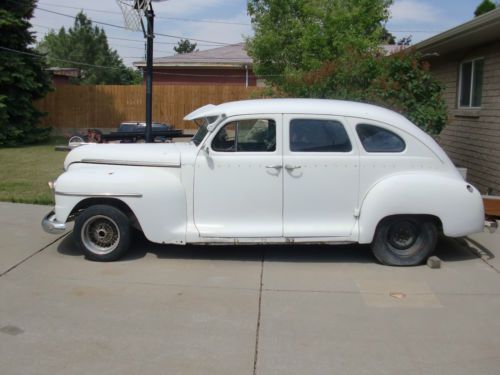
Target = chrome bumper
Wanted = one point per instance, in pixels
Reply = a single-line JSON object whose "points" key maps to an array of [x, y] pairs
{"points": [[51, 225], [491, 225]]}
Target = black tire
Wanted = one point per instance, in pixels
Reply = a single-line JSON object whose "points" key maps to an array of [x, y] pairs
{"points": [[102, 232], [404, 240]]}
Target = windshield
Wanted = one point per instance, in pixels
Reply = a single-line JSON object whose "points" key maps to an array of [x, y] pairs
{"points": [[202, 129], [200, 134]]}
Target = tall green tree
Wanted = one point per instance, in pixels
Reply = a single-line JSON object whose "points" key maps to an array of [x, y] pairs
{"points": [[332, 49], [387, 37], [86, 47], [23, 78], [484, 7], [185, 46]]}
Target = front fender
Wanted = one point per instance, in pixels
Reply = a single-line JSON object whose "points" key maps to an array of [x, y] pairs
{"points": [[155, 195], [456, 203]]}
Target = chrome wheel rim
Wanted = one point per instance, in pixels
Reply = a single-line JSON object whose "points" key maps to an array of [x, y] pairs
{"points": [[100, 234]]}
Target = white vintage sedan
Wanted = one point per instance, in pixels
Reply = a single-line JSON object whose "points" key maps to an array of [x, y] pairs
{"points": [[277, 171]]}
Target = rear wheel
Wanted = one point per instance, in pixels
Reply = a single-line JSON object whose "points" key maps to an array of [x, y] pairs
{"points": [[102, 232], [404, 240]]}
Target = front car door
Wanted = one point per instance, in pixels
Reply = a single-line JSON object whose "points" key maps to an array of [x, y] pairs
{"points": [[320, 177], [239, 178]]}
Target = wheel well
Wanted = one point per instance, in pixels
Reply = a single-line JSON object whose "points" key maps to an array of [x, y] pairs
{"points": [[433, 218], [114, 202]]}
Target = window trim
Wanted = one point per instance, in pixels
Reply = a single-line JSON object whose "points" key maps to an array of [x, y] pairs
{"points": [[384, 128], [306, 117], [473, 68]]}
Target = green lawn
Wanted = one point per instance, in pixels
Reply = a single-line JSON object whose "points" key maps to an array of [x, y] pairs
{"points": [[25, 171]]}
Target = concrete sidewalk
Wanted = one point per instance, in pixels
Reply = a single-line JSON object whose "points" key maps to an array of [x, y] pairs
{"points": [[242, 310]]}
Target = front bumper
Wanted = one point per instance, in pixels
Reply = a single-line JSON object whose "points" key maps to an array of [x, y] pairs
{"points": [[51, 225]]}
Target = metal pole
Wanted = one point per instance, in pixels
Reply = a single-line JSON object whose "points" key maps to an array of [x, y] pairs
{"points": [[149, 75]]}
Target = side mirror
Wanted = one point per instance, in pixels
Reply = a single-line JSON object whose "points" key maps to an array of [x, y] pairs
{"points": [[206, 150]]}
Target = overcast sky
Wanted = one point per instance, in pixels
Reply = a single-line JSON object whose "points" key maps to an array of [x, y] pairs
{"points": [[418, 18]]}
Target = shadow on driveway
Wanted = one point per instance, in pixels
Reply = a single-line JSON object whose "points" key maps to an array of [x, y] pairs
{"points": [[448, 249]]}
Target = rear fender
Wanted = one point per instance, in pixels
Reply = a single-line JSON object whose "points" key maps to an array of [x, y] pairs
{"points": [[457, 204]]}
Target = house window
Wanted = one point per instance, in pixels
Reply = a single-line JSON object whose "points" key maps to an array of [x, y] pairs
{"points": [[471, 83]]}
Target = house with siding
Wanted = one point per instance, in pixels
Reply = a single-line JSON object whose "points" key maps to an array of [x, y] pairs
{"points": [[466, 60], [227, 65]]}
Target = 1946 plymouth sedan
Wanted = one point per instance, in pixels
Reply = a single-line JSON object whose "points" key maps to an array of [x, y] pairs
{"points": [[275, 171]]}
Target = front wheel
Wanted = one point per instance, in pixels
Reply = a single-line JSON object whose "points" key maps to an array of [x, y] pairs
{"points": [[102, 232], [404, 240]]}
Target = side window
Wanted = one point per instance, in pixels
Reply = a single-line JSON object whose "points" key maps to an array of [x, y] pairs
{"points": [[377, 139], [309, 135], [225, 140], [246, 136], [471, 83]]}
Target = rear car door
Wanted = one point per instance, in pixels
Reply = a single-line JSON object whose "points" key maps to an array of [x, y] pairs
{"points": [[320, 176]]}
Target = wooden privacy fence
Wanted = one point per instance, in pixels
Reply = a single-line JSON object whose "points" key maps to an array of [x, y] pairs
{"points": [[105, 106]]}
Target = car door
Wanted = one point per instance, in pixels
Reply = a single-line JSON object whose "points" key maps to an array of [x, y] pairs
{"points": [[239, 179], [320, 176]]}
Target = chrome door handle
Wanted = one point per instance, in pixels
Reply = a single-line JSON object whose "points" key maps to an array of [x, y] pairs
{"points": [[277, 166], [289, 167]]}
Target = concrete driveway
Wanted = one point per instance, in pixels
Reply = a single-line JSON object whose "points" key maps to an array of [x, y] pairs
{"points": [[242, 310]]}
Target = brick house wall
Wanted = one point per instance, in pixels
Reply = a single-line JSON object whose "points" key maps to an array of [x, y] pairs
{"points": [[203, 76], [472, 136]]}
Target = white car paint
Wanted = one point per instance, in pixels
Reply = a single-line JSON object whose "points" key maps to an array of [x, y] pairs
{"points": [[187, 193]]}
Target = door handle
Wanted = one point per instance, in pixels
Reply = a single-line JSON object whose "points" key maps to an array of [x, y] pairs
{"points": [[277, 166], [289, 167]]}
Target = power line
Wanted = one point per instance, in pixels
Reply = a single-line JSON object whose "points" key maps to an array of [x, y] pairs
{"points": [[128, 39], [157, 16], [115, 45], [39, 56], [124, 28], [206, 20]]}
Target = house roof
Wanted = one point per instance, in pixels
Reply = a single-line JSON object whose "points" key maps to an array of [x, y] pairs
{"points": [[233, 55], [67, 72], [478, 31]]}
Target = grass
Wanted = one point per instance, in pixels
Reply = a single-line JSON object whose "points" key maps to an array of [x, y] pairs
{"points": [[25, 171]]}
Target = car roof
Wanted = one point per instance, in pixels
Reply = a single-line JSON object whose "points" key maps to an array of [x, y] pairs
{"points": [[303, 106], [320, 107]]}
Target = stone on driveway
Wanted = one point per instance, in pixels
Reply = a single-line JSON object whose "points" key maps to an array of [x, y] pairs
{"points": [[344, 314]]}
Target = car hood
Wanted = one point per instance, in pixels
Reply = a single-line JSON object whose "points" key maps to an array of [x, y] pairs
{"points": [[142, 154]]}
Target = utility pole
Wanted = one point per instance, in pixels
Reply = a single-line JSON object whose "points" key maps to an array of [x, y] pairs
{"points": [[149, 73]]}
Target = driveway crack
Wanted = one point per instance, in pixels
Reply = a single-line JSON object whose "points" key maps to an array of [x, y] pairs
{"points": [[257, 330], [32, 255], [482, 253]]}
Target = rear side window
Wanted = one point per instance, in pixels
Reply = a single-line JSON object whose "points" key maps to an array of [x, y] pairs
{"points": [[309, 135], [377, 139]]}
